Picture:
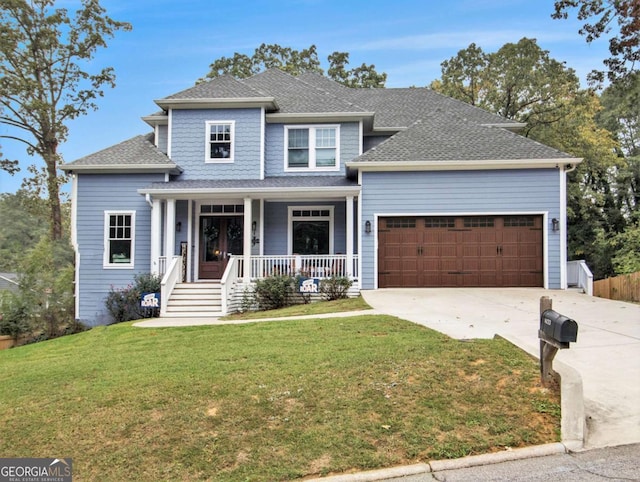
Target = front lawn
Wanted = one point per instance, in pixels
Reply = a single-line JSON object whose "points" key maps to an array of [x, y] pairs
{"points": [[267, 401]]}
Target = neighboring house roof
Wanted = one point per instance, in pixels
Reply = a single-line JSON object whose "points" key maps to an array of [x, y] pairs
{"points": [[278, 186], [8, 281], [137, 154], [442, 141]]}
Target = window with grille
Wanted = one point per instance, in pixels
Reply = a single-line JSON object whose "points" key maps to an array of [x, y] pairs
{"points": [[119, 239], [220, 141], [439, 222], [311, 148], [518, 221], [479, 222], [401, 223]]}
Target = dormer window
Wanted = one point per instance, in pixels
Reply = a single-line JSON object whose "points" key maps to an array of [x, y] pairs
{"points": [[312, 148], [220, 137]]}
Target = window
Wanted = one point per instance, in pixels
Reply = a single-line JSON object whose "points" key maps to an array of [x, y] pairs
{"points": [[518, 221], [119, 239], [312, 148], [478, 222], [439, 222], [311, 230], [219, 146], [401, 223]]}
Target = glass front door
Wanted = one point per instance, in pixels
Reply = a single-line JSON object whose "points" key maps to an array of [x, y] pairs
{"points": [[220, 237]]}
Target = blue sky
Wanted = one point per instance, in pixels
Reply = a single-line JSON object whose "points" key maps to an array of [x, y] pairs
{"points": [[174, 41]]}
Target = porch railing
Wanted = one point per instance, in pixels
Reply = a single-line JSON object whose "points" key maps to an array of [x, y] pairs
{"points": [[172, 276], [316, 266], [579, 274], [230, 276]]}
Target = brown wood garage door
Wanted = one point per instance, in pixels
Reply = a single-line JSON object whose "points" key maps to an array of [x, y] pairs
{"points": [[472, 251]]}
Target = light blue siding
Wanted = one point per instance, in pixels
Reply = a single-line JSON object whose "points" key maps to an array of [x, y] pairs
{"points": [[460, 192], [162, 138], [277, 228], [274, 146], [188, 143], [97, 194]]}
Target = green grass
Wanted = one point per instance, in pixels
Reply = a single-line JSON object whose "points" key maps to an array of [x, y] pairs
{"points": [[317, 308], [267, 401]]}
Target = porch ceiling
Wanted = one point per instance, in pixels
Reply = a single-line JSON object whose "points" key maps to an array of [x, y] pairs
{"points": [[292, 187]]}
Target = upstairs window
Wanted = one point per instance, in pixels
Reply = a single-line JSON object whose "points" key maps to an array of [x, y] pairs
{"points": [[312, 148], [220, 137], [119, 239]]}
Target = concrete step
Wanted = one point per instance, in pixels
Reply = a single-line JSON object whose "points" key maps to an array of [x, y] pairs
{"points": [[195, 300]]}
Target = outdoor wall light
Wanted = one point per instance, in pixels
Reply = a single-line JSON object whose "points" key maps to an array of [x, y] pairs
{"points": [[555, 224], [178, 227], [367, 227]]}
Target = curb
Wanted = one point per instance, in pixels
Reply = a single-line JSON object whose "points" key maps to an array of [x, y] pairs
{"points": [[573, 431], [434, 466]]}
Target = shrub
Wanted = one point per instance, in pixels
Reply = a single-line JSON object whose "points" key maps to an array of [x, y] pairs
{"points": [[335, 288], [123, 304], [274, 292], [14, 316]]}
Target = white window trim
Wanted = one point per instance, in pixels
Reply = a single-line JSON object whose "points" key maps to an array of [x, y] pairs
{"points": [[105, 258], [330, 218], [207, 142], [312, 148]]}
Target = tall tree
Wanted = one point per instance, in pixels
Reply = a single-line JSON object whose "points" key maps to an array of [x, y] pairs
{"points": [[295, 62], [594, 211], [463, 76], [598, 16], [44, 83], [363, 76], [520, 81]]}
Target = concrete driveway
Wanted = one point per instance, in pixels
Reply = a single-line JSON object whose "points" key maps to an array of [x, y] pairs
{"points": [[606, 355]]}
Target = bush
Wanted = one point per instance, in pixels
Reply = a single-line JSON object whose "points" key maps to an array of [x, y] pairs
{"points": [[124, 304], [14, 316], [274, 292], [335, 288]]}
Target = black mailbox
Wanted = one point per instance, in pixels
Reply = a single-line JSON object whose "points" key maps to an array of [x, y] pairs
{"points": [[558, 327]]}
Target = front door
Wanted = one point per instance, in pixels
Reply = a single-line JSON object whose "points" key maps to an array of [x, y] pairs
{"points": [[220, 237]]}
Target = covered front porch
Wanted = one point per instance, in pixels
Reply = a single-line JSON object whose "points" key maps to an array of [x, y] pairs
{"points": [[212, 237]]}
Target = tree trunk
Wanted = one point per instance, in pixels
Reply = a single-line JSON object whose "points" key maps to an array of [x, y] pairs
{"points": [[50, 156]]}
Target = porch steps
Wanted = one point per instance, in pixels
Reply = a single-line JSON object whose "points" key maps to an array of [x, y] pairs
{"points": [[191, 300]]}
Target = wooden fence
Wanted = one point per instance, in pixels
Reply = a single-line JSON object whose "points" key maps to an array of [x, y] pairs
{"points": [[622, 288]]}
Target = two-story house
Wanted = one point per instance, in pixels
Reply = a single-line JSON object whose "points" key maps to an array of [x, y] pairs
{"points": [[242, 179]]}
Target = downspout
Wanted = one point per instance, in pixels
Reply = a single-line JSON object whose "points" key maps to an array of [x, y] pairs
{"points": [[148, 199]]}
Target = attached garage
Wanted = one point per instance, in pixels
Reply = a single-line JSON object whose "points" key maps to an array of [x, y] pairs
{"points": [[460, 251]]}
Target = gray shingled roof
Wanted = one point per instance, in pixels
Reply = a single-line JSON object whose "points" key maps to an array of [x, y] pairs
{"points": [[295, 96], [401, 107], [137, 151], [223, 87], [440, 138], [307, 182]]}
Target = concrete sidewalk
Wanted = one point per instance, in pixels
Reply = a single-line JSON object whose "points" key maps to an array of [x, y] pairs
{"points": [[606, 355]]}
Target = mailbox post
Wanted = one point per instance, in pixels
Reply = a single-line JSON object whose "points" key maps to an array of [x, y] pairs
{"points": [[556, 333]]}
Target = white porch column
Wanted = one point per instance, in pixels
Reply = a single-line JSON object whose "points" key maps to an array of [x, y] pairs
{"points": [[156, 235], [350, 236], [248, 217], [170, 230]]}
